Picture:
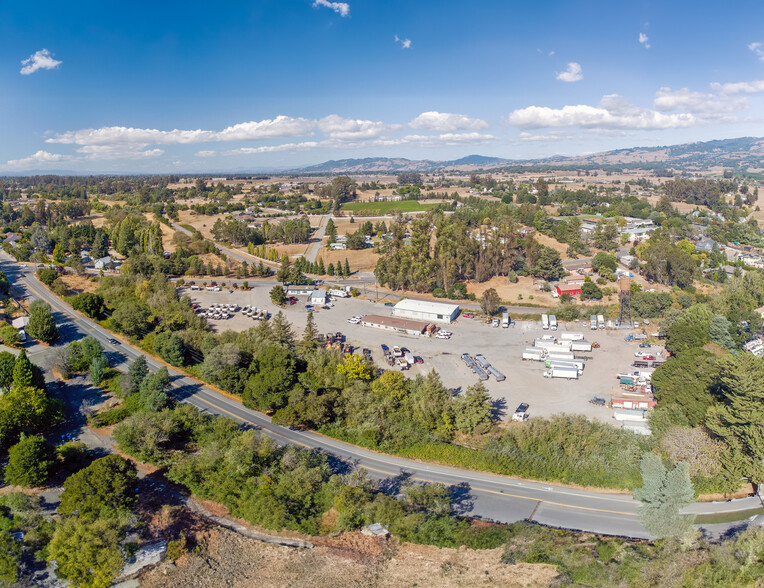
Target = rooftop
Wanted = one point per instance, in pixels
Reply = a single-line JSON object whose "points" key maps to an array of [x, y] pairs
{"points": [[394, 322], [412, 305]]}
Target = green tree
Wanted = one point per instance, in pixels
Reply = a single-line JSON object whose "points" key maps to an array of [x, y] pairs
{"points": [[278, 296], [7, 363], [89, 304], [100, 246], [331, 231], [590, 290], [131, 318], [9, 335], [473, 410], [663, 495], [58, 254], [548, 264], [739, 420], [10, 558], [170, 347], [490, 301], [284, 271], [281, 330], [355, 367], [310, 334], [105, 487], [346, 270], [275, 375], [29, 462], [137, 371], [42, 325], [22, 370], [603, 262], [87, 553], [97, 367], [687, 381]]}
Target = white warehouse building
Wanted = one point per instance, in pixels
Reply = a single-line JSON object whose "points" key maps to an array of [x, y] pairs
{"points": [[425, 310]]}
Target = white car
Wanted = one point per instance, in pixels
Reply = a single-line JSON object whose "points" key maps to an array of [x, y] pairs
{"points": [[354, 320], [443, 335], [641, 354]]}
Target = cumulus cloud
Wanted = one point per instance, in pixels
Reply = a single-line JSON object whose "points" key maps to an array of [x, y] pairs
{"points": [[572, 74], [341, 8], [42, 59], [281, 126], [131, 152], [304, 146], [613, 112], [206, 153], [337, 127], [527, 137], [405, 43], [707, 104], [730, 89], [758, 49], [447, 122], [644, 40], [38, 158]]}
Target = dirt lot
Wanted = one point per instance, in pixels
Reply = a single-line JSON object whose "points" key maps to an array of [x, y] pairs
{"points": [[502, 347], [364, 260], [227, 559], [78, 284]]}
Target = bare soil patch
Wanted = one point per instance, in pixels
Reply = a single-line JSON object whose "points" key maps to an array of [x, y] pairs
{"points": [[359, 260], [77, 284]]}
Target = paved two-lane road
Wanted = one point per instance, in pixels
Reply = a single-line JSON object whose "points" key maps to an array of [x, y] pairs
{"points": [[477, 494]]}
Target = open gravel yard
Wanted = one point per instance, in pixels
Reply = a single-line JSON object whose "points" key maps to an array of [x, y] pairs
{"points": [[502, 347]]}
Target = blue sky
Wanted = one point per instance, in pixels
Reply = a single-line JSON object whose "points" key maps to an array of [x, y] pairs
{"points": [[167, 86]]}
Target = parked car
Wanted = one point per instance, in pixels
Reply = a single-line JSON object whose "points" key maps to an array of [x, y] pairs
{"points": [[354, 320], [521, 412], [644, 345], [649, 357], [114, 341], [597, 401], [468, 315]]}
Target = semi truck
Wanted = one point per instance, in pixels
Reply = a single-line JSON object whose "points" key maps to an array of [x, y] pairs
{"points": [[480, 372], [552, 322], [572, 337], [600, 321], [496, 373], [579, 365], [545, 321], [580, 346], [593, 322], [533, 354], [505, 320], [569, 373]]}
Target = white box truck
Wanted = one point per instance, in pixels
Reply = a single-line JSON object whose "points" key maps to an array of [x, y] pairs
{"points": [[560, 356], [600, 321], [593, 322], [545, 321], [572, 337], [505, 320], [533, 354], [552, 322], [570, 373], [579, 365]]}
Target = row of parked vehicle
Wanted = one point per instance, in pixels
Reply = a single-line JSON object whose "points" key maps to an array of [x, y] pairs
{"points": [[217, 311], [482, 367], [399, 357], [256, 313]]}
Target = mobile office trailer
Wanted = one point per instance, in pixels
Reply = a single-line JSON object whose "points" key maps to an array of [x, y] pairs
{"points": [[569, 373], [593, 322], [580, 346], [572, 337], [505, 320], [496, 373], [545, 321], [552, 322], [601, 321]]}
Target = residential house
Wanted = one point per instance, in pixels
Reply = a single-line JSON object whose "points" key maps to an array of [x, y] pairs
{"points": [[103, 263]]}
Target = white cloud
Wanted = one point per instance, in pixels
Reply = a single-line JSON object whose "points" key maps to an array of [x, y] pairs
{"points": [[42, 59], [405, 43], [708, 105], [758, 49], [132, 152], [613, 112], [447, 122], [644, 40], [572, 74], [337, 127], [341, 8], [38, 158], [206, 153], [281, 126], [530, 138], [304, 146], [730, 89]]}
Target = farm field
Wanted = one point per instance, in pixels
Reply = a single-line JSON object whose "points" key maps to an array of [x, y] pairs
{"points": [[381, 208]]}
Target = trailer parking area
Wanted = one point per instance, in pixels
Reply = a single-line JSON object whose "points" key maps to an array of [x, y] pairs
{"points": [[502, 347]]}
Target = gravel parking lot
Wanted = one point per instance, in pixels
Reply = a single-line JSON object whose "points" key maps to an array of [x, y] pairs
{"points": [[502, 347]]}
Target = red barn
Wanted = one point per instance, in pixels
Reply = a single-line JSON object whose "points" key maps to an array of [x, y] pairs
{"points": [[572, 290]]}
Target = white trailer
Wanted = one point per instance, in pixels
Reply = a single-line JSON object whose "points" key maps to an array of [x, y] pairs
{"points": [[572, 337], [593, 322], [562, 346], [601, 321], [505, 320], [545, 321], [533, 354], [560, 356], [579, 365], [629, 414], [552, 322], [482, 361], [339, 292], [496, 373], [570, 373], [544, 343], [580, 346]]}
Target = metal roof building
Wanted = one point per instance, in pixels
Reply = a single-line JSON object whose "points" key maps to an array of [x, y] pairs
{"points": [[426, 310]]}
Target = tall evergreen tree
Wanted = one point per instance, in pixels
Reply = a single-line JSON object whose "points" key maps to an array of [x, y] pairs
{"points": [[663, 495], [310, 333], [283, 274], [282, 330], [22, 370], [347, 267], [136, 373]]}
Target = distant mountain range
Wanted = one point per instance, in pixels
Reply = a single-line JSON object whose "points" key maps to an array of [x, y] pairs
{"points": [[744, 154]]}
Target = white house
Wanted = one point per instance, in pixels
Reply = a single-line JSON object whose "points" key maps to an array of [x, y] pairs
{"points": [[317, 297], [20, 322], [102, 263]]}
